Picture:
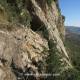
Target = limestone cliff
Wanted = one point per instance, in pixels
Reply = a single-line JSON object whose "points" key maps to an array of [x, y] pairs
{"points": [[31, 33]]}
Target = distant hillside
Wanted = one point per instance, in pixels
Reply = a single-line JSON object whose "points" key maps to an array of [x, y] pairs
{"points": [[73, 33], [73, 29], [72, 43]]}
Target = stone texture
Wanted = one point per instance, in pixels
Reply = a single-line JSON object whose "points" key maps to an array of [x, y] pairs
{"points": [[6, 73], [49, 18], [25, 49], [22, 48]]}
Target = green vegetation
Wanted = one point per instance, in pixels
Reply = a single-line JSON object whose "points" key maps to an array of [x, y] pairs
{"points": [[54, 65], [72, 44], [53, 58], [49, 2], [73, 48], [16, 11]]}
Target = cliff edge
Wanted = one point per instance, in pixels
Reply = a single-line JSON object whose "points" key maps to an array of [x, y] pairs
{"points": [[31, 40]]}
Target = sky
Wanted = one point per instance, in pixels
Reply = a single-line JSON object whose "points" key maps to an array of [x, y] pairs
{"points": [[71, 10]]}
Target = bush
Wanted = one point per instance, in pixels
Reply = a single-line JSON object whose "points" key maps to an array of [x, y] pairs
{"points": [[49, 2], [17, 12]]}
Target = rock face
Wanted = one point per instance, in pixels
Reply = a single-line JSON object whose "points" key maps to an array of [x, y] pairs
{"points": [[21, 48], [49, 22], [60, 26], [28, 50]]}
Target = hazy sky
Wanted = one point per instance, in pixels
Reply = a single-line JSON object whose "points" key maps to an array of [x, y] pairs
{"points": [[71, 10]]}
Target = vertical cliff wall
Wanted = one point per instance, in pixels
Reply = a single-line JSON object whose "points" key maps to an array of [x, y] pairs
{"points": [[31, 40]]}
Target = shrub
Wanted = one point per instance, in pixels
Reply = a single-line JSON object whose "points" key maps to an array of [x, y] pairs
{"points": [[49, 2], [17, 12]]}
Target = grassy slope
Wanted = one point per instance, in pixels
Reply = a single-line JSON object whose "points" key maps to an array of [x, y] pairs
{"points": [[73, 47], [14, 11]]}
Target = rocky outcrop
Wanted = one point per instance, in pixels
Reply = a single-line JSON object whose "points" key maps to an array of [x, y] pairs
{"points": [[21, 48], [35, 47], [48, 18], [60, 26]]}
